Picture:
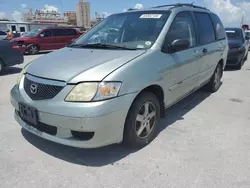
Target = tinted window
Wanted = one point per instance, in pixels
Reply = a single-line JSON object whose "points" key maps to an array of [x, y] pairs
{"points": [[70, 32], [182, 28], [64, 32], [46, 33], [218, 27], [205, 28], [58, 32], [2, 33]]}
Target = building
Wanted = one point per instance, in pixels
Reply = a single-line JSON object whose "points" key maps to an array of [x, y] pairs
{"points": [[83, 14], [28, 16], [43, 17], [70, 17], [23, 26]]}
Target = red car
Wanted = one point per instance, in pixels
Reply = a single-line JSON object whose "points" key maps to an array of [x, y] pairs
{"points": [[47, 39]]}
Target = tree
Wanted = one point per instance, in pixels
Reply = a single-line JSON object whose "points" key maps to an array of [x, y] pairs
{"points": [[4, 19]]}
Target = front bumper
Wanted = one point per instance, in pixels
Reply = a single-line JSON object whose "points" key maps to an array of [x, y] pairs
{"points": [[105, 119], [234, 57]]}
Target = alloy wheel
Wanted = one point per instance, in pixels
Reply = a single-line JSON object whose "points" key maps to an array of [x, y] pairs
{"points": [[145, 120], [217, 76], [33, 49]]}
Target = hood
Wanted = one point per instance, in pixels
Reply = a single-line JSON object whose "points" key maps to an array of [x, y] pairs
{"points": [[92, 64], [22, 38], [233, 43]]}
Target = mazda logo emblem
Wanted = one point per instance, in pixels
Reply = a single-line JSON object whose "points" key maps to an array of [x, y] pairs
{"points": [[33, 88]]}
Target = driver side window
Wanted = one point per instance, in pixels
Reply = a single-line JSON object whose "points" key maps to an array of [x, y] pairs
{"points": [[46, 33], [108, 34], [182, 28]]}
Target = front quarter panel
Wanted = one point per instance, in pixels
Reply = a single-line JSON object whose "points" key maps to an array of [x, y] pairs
{"points": [[152, 68]]}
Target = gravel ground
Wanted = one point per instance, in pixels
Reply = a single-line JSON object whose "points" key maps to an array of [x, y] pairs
{"points": [[204, 142]]}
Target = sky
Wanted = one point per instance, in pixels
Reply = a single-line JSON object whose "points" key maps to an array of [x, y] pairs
{"points": [[230, 11]]}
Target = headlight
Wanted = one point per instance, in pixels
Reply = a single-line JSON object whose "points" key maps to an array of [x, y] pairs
{"points": [[93, 91], [19, 77]]}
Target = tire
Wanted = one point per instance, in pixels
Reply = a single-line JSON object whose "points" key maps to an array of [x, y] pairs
{"points": [[1, 66], [246, 57], [140, 126], [239, 65], [33, 49], [215, 82]]}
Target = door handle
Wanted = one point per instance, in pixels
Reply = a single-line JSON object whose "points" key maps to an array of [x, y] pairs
{"points": [[204, 50]]}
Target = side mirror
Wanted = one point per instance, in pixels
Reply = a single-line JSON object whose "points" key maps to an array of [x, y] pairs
{"points": [[247, 37], [179, 45], [41, 35]]}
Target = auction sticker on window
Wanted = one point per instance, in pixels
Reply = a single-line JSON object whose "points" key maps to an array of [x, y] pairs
{"points": [[230, 31], [151, 16], [148, 43]]}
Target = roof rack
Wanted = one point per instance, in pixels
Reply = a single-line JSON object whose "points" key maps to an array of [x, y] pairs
{"points": [[181, 5], [130, 9]]}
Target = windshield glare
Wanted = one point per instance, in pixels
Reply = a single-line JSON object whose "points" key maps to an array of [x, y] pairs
{"points": [[234, 34], [131, 30], [32, 33]]}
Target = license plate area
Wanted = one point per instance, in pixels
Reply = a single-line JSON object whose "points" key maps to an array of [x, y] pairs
{"points": [[28, 114]]}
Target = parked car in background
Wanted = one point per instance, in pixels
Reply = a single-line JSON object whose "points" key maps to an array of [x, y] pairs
{"points": [[238, 43], [10, 54], [47, 39], [247, 32], [95, 94], [3, 35]]}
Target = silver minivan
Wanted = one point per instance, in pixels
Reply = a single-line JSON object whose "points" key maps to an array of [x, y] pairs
{"points": [[113, 84]]}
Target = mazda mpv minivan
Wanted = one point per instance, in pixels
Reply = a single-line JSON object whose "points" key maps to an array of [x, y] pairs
{"points": [[113, 84]]}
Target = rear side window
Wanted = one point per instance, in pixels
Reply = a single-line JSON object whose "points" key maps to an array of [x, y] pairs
{"points": [[58, 32], [218, 27], [71, 32], [64, 32], [205, 28]]}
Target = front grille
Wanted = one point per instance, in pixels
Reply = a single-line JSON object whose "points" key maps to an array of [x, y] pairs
{"points": [[49, 129], [39, 91]]}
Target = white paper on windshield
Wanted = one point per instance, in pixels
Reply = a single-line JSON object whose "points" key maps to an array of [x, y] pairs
{"points": [[230, 31], [151, 16]]}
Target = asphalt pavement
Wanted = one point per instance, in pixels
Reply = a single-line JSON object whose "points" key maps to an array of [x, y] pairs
{"points": [[204, 142]]}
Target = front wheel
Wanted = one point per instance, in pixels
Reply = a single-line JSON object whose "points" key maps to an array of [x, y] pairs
{"points": [[215, 82], [142, 120], [33, 49], [1, 66]]}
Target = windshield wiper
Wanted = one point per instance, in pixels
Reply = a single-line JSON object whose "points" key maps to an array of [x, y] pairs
{"points": [[102, 46]]}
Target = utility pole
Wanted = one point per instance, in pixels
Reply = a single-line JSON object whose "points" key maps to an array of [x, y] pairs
{"points": [[61, 4]]}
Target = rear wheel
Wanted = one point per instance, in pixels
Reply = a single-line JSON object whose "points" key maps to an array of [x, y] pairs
{"points": [[1, 66], [33, 49], [142, 120], [215, 81]]}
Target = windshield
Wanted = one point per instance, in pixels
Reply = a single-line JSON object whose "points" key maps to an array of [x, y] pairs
{"points": [[137, 30], [234, 34], [32, 33], [247, 33]]}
